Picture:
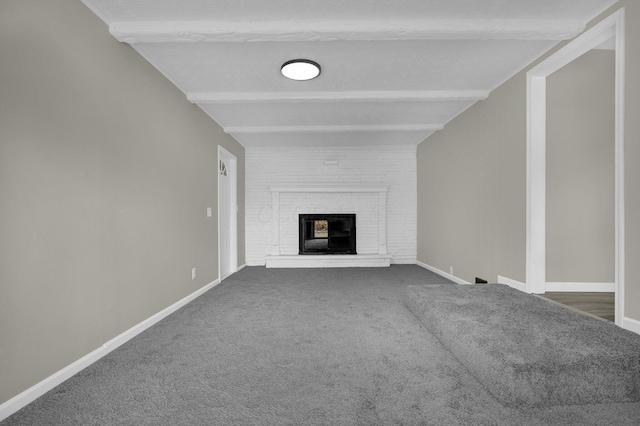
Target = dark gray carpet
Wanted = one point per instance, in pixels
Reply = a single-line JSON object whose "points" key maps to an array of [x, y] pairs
{"points": [[294, 347], [527, 350]]}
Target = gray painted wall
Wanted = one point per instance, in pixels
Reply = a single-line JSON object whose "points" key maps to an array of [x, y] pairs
{"points": [[471, 198], [106, 171], [581, 170], [472, 182]]}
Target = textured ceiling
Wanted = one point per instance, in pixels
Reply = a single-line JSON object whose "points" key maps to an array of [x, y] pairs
{"points": [[393, 72]]}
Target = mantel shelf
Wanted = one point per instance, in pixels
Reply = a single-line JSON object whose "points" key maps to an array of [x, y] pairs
{"points": [[329, 188]]}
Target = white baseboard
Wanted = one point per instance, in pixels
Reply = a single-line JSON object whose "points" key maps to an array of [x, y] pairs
{"points": [[24, 398], [442, 273], [631, 324], [241, 267], [578, 287], [329, 261], [512, 283], [403, 260]]}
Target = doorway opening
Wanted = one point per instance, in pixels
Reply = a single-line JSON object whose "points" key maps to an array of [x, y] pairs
{"points": [[227, 214], [611, 28]]}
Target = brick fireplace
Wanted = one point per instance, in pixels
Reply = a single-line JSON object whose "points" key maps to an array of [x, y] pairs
{"points": [[368, 203], [331, 179]]}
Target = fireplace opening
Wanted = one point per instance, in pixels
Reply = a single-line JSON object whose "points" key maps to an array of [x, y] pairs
{"points": [[327, 234]]}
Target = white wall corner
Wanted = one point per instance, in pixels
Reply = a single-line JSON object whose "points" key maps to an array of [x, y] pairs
{"points": [[442, 273]]}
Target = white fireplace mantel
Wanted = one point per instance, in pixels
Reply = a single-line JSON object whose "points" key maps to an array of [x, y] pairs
{"points": [[329, 188], [276, 259]]}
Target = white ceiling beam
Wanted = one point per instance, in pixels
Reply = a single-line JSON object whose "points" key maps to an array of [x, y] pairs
{"points": [[345, 30], [333, 128], [346, 96]]}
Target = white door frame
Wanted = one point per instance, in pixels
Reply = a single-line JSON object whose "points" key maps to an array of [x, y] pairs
{"points": [[232, 171], [613, 26]]}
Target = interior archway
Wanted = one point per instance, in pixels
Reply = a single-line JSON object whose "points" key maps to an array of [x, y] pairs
{"points": [[612, 27]]}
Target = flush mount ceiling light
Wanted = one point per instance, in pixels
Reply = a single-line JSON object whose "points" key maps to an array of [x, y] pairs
{"points": [[300, 69]]}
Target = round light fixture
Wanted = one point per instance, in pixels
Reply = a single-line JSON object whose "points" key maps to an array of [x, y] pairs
{"points": [[300, 69]]}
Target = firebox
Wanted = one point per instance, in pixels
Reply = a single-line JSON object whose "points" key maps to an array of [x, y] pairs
{"points": [[327, 234]]}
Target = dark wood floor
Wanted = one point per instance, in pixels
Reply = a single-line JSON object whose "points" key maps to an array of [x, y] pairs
{"points": [[601, 305]]}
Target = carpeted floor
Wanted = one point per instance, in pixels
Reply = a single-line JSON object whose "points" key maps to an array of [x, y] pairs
{"points": [[546, 354], [293, 347]]}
